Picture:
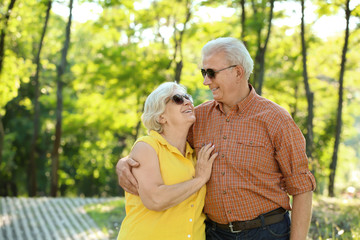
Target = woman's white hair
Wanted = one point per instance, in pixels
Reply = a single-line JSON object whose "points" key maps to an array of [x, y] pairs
{"points": [[155, 105], [235, 52]]}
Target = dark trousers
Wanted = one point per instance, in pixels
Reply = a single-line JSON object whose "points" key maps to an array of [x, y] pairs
{"points": [[278, 231]]}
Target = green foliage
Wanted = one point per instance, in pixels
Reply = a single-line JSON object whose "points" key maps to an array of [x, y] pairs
{"points": [[15, 71], [116, 60]]}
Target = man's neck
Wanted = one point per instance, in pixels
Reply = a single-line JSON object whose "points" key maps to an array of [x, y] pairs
{"points": [[241, 96]]}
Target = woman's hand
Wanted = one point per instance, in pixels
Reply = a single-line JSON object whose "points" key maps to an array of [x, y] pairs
{"points": [[204, 162]]}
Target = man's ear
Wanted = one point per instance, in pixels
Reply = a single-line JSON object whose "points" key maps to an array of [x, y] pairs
{"points": [[240, 71]]}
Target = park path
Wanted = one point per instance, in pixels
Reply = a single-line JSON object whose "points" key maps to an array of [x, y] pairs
{"points": [[48, 219]]}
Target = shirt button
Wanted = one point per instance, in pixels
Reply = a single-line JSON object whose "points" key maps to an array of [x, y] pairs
{"points": [[228, 120], [229, 211], [222, 155], [224, 192], [192, 205], [224, 137], [223, 173], [190, 219], [251, 142]]}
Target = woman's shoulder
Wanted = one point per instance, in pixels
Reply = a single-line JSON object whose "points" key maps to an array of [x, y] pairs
{"points": [[143, 150], [145, 143]]}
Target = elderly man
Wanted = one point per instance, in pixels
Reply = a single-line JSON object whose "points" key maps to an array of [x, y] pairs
{"points": [[258, 144]]}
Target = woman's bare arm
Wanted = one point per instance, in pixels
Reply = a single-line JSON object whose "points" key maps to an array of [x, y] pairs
{"points": [[154, 194]]}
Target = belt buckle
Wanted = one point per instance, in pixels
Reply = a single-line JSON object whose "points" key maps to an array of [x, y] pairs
{"points": [[232, 230]]}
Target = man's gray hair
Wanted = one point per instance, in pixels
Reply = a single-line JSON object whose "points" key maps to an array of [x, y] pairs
{"points": [[235, 51]]}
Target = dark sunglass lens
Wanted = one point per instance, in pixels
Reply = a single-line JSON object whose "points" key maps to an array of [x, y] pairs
{"points": [[203, 72], [178, 99], [210, 73]]}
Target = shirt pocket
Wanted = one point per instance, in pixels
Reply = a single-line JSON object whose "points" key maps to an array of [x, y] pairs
{"points": [[250, 152], [252, 143]]}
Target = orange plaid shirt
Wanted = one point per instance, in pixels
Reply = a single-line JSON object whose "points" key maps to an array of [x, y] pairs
{"points": [[258, 143]]}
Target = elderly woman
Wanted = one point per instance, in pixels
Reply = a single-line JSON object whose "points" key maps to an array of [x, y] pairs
{"points": [[171, 183]]}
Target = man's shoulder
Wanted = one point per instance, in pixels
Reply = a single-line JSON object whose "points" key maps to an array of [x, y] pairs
{"points": [[273, 108]]}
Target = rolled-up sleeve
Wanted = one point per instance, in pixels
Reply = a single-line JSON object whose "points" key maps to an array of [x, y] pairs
{"points": [[300, 183], [291, 156]]}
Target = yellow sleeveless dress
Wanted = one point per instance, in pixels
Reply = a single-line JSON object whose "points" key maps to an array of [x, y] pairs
{"points": [[183, 221]]}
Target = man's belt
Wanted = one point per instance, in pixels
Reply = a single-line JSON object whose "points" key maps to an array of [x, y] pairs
{"points": [[269, 218]]}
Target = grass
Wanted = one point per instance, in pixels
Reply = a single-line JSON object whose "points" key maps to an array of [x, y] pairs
{"points": [[333, 218], [108, 216]]}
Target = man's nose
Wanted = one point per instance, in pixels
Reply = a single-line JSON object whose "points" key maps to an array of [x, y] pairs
{"points": [[207, 80]]}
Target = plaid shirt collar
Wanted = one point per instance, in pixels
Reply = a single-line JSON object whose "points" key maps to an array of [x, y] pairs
{"points": [[242, 105]]}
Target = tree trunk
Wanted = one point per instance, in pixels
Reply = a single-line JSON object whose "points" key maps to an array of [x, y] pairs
{"points": [[32, 161], [254, 7], [179, 42], [294, 108], [2, 135], [243, 18], [61, 70], [340, 103], [260, 53], [3, 34], [138, 125], [178, 70], [309, 94], [2, 56]]}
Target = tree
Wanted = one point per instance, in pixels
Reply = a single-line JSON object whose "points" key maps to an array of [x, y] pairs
{"points": [[242, 21], [178, 14], [3, 33], [2, 136], [60, 72], [32, 163], [340, 103], [259, 65], [179, 42], [2, 55], [309, 94]]}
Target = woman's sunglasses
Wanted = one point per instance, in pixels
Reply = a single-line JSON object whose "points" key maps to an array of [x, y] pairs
{"points": [[211, 73], [179, 99]]}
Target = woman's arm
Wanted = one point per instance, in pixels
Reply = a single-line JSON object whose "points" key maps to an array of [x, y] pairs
{"points": [[154, 194]]}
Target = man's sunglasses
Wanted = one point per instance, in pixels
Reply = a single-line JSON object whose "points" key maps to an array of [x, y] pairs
{"points": [[211, 73], [179, 99]]}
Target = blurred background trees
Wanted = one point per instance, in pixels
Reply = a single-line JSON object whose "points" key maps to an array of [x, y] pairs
{"points": [[119, 52]]}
